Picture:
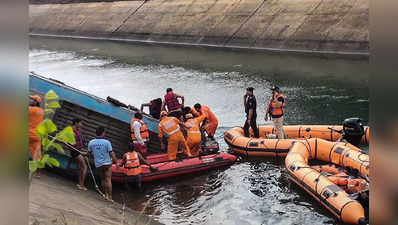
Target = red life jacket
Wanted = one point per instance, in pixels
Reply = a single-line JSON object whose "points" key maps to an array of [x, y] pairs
{"points": [[155, 106], [172, 102]]}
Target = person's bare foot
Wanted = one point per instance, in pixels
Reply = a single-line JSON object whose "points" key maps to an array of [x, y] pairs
{"points": [[38, 175], [110, 199], [82, 188]]}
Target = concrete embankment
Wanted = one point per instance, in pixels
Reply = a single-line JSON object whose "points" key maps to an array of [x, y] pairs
{"points": [[54, 200], [317, 26]]}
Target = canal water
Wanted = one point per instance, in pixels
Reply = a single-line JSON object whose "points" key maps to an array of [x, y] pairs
{"points": [[254, 190]]}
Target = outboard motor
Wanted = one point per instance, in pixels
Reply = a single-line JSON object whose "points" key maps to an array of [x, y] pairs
{"points": [[353, 131], [211, 147]]}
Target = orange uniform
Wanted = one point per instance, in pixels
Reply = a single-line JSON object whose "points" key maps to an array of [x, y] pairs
{"points": [[36, 115], [169, 125], [194, 137], [194, 112], [211, 122]]}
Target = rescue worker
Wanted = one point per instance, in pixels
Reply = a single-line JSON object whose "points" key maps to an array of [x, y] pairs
{"points": [[132, 167], [169, 125], [210, 124], [155, 106], [36, 116], [250, 103], [276, 110], [139, 133], [194, 135], [173, 105]]}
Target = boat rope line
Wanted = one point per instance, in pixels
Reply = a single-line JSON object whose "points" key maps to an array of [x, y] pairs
{"points": [[88, 163]]}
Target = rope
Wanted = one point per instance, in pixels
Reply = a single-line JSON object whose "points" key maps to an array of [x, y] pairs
{"points": [[88, 163]]}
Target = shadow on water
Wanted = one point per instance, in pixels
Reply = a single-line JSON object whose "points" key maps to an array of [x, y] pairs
{"points": [[254, 190]]}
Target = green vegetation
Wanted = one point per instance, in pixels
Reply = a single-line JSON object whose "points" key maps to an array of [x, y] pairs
{"points": [[44, 130]]}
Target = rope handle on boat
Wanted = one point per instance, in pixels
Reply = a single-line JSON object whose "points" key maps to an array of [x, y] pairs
{"points": [[338, 131], [88, 163]]}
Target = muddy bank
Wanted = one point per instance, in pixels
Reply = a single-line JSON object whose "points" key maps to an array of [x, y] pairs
{"points": [[51, 197], [311, 26]]}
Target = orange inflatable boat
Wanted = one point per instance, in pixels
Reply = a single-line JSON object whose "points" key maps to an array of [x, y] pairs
{"points": [[351, 131], [330, 133], [262, 146], [325, 190]]}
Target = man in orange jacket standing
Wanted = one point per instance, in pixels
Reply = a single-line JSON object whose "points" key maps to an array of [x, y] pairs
{"points": [[139, 134], [169, 125], [210, 124], [276, 110], [36, 115], [194, 134]]}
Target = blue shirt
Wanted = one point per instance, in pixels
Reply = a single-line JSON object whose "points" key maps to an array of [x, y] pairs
{"points": [[101, 149]]}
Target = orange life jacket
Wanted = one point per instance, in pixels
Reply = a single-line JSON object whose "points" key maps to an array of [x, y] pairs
{"points": [[327, 168], [132, 166], [143, 130], [356, 185], [340, 179], [277, 111], [169, 125]]}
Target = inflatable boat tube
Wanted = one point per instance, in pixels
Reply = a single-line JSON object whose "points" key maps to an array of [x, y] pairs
{"points": [[175, 168], [262, 146], [319, 186]]}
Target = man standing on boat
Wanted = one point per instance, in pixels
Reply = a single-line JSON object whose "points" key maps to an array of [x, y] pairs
{"points": [[210, 124], [76, 154], [155, 106], [174, 107], [36, 116], [169, 125], [139, 133], [103, 158], [276, 110], [132, 167], [250, 103]]}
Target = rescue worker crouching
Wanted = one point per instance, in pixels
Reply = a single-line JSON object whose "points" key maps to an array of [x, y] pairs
{"points": [[194, 135], [170, 126], [139, 134], [132, 167], [210, 124]]}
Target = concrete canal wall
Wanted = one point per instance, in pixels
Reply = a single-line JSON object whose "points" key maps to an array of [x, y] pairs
{"points": [[334, 26]]}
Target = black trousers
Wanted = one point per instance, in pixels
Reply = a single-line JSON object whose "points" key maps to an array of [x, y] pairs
{"points": [[253, 125]]}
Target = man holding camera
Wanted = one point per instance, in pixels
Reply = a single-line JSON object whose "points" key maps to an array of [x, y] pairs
{"points": [[276, 110]]}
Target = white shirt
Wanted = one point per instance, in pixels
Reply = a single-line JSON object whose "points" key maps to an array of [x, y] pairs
{"points": [[137, 127]]}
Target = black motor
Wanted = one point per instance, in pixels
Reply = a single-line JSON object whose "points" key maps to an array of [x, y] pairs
{"points": [[210, 147], [353, 131]]}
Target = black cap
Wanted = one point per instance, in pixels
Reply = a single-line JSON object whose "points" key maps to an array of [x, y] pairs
{"points": [[275, 88], [250, 89]]}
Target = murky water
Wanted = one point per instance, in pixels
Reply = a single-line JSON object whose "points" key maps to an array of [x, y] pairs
{"points": [[253, 191]]}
